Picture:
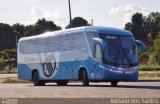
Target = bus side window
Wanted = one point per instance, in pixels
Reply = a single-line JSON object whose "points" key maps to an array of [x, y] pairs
{"points": [[22, 47], [26, 47], [34, 46], [98, 52], [79, 41], [55, 44], [90, 36], [41, 44], [66, 42], [29, 44]]}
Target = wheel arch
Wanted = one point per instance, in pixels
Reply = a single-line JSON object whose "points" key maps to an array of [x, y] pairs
{"points": [[34, 70], [80, 72]]}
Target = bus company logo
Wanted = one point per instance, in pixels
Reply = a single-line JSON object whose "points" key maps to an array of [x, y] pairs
{"points": [[49, 66]]}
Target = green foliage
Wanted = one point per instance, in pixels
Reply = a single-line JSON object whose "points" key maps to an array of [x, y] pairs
{"points": [[128, 26], [144, 28], [149, 68], [143, 55], [9, 58], [136, 26], [78, 22], [149, 76], [8, 71], [40, 27], [156, 51], [19, 28], [137, 19], [151, 24], [7, 37]]}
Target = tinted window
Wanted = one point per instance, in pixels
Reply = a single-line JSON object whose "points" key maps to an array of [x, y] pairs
{"points": [[66, 42], [90, 36], [79, 41], [113, 46], [34, 46], [55, 44], [98, 52], [29, 46], [21, 47], [43, 45]]}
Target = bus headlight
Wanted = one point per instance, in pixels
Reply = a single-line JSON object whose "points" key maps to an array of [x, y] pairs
{"points": [[110, 69]]}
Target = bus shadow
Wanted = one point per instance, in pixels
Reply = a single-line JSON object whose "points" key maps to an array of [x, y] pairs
{"points": [[138, 87], [109, 86]]}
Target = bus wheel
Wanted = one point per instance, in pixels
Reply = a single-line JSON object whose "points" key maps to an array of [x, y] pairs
{"points": [[84, 77], [114, 83], [62, 83], [35, 79]]}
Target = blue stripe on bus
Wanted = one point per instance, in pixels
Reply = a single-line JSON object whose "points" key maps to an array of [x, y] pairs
{"points": [[69, 71]]}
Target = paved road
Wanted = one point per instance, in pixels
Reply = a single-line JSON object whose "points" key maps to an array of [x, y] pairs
{"points": [[75, 90]]}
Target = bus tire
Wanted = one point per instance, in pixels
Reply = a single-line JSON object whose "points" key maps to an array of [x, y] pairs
{"points": [[84, 79], [35, 79], [62, 83], [114, 83]]}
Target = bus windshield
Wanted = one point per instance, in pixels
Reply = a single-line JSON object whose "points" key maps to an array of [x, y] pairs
{"points": [[121, 50]]}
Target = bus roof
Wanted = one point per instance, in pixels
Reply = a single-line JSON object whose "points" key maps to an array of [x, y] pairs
{"points": [[98, 29]]}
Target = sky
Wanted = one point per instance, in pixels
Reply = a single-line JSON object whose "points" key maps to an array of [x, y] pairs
{"points": [[110, 13]]}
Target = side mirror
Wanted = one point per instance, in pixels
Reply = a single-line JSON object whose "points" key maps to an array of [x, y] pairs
{"points": [[140, 44], [99, 48], [101, 42]]}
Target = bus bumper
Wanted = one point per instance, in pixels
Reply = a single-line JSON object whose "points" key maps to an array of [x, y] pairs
{"points": [[121, 75]]}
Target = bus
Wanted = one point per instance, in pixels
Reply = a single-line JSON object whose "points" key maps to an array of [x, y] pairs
{"points": [[86, 54]]}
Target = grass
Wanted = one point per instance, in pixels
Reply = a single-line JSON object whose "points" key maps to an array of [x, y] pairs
{"points": [[149, 76], [8, 71], [149, 68]]}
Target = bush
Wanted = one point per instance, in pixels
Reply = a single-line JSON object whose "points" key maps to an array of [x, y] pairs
{"points": [[8, 58], [156, 51], [149, 76], [149, 68], [8, 71]]}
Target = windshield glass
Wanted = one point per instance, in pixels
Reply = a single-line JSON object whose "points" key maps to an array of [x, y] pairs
{"points": [[120, 50]]}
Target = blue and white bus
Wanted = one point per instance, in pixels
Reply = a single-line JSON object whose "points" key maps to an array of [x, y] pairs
{"points": [[87, 54]]}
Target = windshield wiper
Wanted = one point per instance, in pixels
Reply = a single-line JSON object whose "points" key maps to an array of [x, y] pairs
{"points": [[117, 58], [126, 56]]}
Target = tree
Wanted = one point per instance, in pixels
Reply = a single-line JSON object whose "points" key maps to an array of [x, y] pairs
{"points": [[9, 58], [78, 22], [136, 27], [145, 28], [151, 24], [156, 51], [19, 28], [40, 27], [128, 26], [7, 37], [149, 28]]}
